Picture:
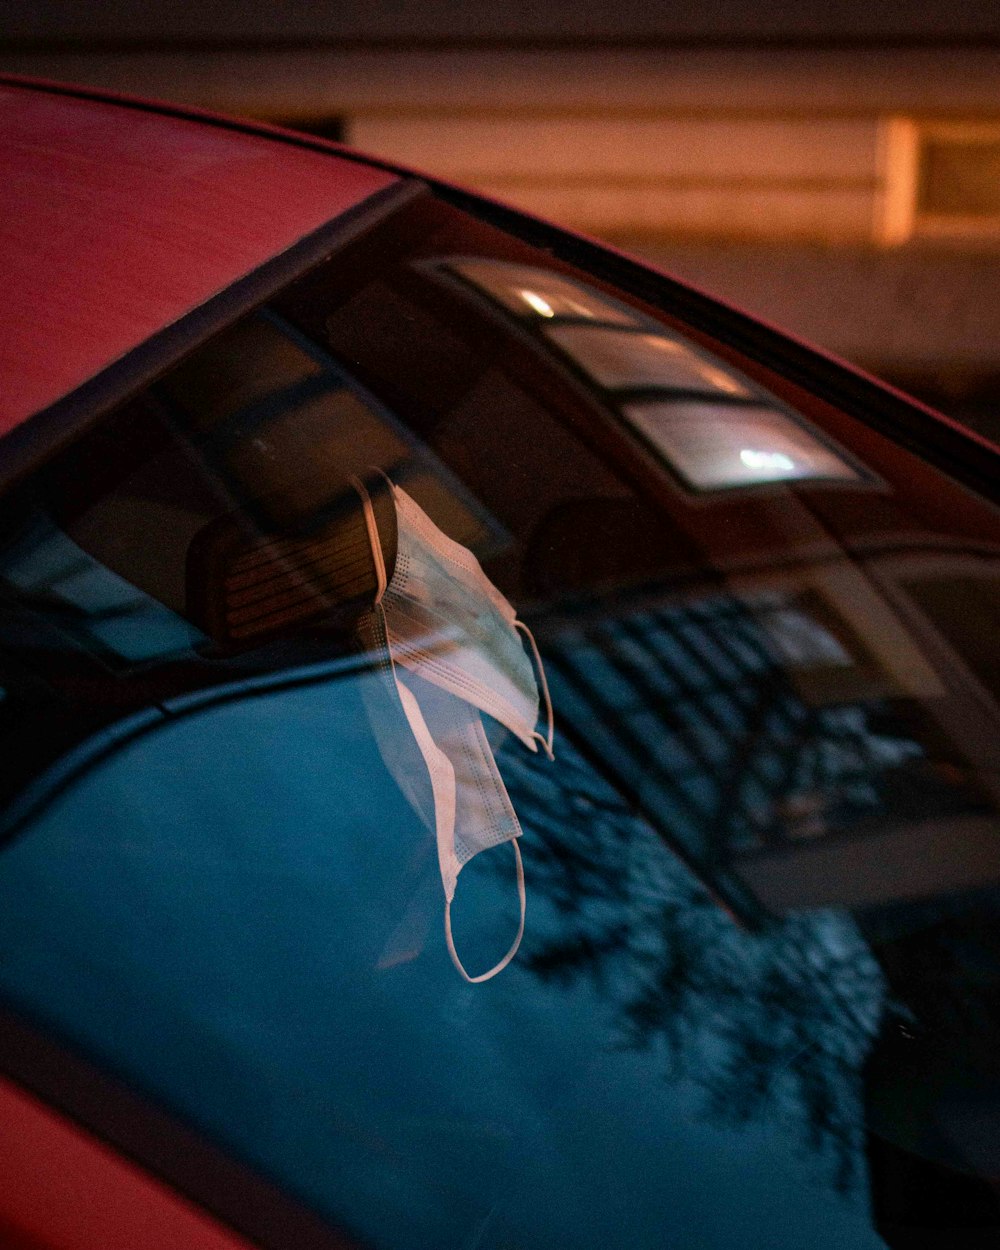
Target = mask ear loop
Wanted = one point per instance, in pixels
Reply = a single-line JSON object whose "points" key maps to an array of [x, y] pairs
{"points": [[522, 900], [550, 719], [373, 539]]}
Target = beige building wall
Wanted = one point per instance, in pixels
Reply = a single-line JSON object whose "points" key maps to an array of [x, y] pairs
{"points": [[656, 175], [801, 145]]}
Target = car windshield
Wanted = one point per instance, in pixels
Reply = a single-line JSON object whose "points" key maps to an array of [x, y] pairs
{"points": [[280, 637]]}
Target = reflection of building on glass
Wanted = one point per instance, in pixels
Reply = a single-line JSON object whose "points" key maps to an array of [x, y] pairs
{"points": [[766, 740], [920, 616]]}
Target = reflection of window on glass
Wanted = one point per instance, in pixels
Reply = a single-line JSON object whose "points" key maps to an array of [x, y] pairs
{"points": [[258, 531], [91, 602], [695, 418], [541, 293], [712, 445], [615, 346], [618, 360], [753, 723]]}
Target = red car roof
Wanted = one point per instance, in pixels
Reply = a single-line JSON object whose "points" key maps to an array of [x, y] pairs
{"points": [[117, 220]]}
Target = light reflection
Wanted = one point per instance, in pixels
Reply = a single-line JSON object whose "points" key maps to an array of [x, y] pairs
{"points": [[722, 381], [535, 301], [766, 460]]}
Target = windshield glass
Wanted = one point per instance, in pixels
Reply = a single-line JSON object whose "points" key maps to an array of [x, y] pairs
{"points": [[279, 641]]}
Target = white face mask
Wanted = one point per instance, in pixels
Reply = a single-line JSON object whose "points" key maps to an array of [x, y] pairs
{"points": [[441, 620]]}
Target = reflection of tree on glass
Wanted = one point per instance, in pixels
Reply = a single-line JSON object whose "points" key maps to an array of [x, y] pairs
{"points": [[769, 1023]]}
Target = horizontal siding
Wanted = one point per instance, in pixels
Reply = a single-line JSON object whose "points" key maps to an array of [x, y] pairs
{"points": [[732, 213], [731, 177], [474, 148]]}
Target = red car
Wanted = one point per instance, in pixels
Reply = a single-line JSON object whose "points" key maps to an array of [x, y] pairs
{"points": [[500, 750]]}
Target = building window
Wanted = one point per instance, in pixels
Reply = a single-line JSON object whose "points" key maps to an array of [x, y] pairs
{"points": [[942, 180]]}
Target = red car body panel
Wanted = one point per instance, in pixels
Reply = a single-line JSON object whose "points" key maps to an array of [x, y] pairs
{"points": [[62, 1189], [115, 222]]}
